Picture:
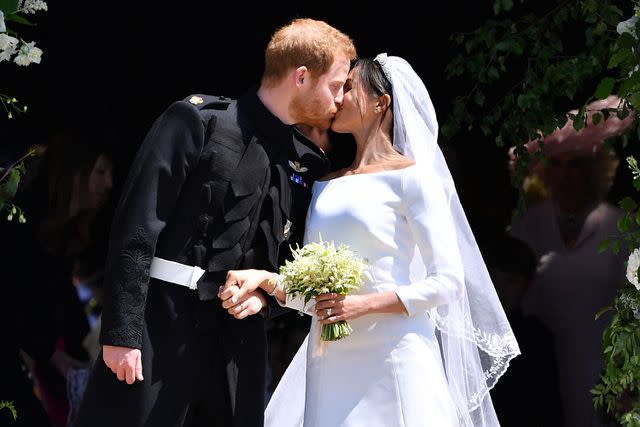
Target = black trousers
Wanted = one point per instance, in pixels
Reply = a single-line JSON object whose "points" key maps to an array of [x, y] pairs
{"points": [[185, 381]]}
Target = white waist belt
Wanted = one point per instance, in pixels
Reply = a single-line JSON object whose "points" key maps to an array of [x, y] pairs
{"points": [[174, 272]]}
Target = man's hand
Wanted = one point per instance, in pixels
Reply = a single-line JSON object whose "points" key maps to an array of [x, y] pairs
{"points": [[125, 362], [240, 307]]}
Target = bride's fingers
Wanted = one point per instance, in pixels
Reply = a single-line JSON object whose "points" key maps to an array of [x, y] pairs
{"points": [[326, 304], [228, 292], [325, 297], [331, 319], [325, 312]]}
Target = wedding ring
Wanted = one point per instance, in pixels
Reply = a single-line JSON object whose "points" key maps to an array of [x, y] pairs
{"points": [[329, 312]]}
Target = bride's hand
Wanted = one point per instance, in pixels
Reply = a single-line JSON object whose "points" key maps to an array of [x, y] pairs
{"points": [[331, 308], [252, 303]]}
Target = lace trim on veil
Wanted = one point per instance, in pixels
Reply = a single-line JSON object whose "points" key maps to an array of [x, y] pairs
{"points": [[476, 340]]}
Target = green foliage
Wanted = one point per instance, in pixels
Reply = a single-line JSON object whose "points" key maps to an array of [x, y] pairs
{"points": [[5, 404], [617, 392], [526, 76], [9, 6]]}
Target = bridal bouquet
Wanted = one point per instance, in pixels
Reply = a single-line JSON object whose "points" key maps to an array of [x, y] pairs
{"points": [[320, 268]]}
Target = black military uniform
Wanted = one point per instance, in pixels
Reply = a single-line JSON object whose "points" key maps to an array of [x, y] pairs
{"points": [[217, 183]]}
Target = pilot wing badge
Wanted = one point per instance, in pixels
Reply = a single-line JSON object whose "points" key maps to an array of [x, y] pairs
{"points": [[296, 176]]}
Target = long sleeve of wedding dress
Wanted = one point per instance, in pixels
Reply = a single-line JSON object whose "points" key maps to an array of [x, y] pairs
{"points": [[430, 224]]}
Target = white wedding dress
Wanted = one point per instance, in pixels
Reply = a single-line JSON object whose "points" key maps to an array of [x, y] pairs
{"points": [[389, 371]]}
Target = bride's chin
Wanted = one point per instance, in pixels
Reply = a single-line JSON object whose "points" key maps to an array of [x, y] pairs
{"points": [[337, 128]]}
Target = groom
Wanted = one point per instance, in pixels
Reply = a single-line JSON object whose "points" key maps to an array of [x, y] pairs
{"points": [[218, 184]]}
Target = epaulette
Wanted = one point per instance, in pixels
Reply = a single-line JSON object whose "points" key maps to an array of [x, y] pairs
{"points": [[208, 102]]}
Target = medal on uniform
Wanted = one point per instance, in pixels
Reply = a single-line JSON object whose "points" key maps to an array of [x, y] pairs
{"points": [[296, 177]]}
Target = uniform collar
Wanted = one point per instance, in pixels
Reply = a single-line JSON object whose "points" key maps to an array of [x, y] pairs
{"points": [[278, 134], [264, 123]]}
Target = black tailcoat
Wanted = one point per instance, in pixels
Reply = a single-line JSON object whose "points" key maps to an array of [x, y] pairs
{"points": [[217, 183]]}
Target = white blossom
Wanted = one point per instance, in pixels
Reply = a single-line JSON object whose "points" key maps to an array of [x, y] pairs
{"points": [[32, 6], [5, 55], [28, 53], [22, 60], [3, 27], [633, 263], [628, 26], [35, 54], [7, 42], [7, 47]]}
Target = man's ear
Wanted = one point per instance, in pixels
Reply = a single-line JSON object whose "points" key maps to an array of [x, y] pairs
{"points": [[384, 102], [300, 75]]}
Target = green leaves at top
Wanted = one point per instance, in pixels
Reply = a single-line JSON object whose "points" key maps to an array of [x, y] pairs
{"points": [[9, 6], [502, 5], [605, 87]]}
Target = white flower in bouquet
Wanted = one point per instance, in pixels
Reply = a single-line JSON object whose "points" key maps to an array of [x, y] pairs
{"points": [[633, 263], [321, 268]]}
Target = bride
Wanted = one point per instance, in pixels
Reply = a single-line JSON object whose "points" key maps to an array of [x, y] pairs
{"points": [[430, 337]]}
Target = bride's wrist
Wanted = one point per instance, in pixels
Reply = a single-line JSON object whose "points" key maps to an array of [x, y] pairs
{"points": [[273, 284]]}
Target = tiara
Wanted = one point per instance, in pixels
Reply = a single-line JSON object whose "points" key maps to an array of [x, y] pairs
{"points": [[381, 59]]}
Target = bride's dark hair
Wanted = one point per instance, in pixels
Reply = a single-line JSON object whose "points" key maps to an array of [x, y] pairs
{"points": [[370, 73], [372, 80]]}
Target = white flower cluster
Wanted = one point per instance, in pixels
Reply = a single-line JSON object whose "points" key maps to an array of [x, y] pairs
{"points": [[32, 6], [27, 53], [321, 267], [633, 264]]}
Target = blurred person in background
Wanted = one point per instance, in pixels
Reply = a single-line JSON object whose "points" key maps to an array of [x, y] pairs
{"points": [[573, 281], [66, 200]]}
